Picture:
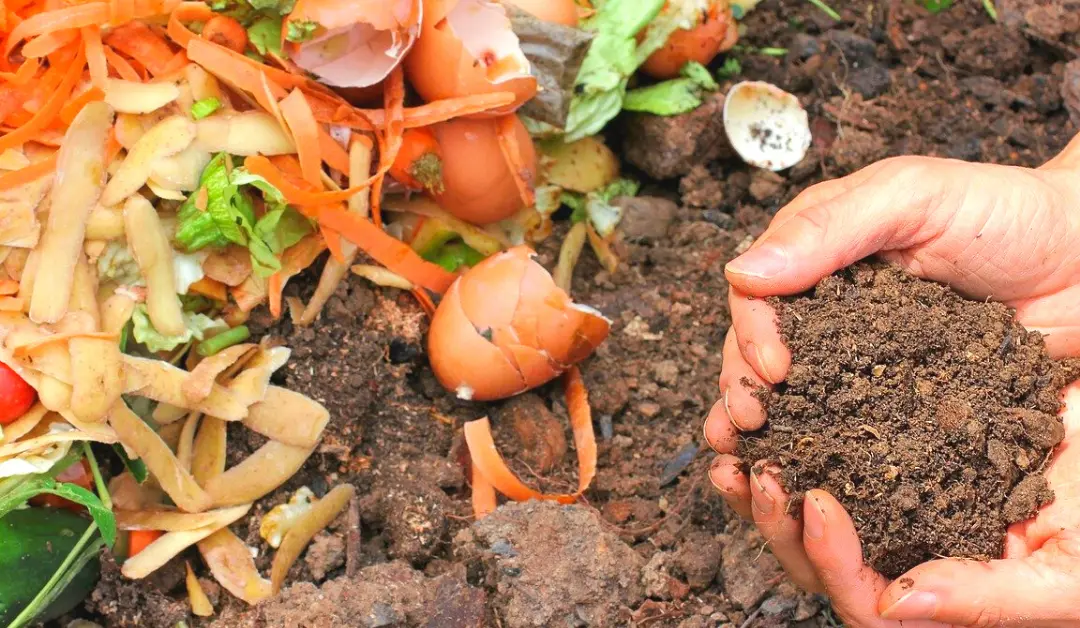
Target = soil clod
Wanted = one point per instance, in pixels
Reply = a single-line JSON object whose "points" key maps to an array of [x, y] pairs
{"points": [[928, 416]]}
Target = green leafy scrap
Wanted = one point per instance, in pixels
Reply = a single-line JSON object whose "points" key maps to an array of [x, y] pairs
{"points": [[265, 34], [299, 31], [202, 108], [673, 97]]}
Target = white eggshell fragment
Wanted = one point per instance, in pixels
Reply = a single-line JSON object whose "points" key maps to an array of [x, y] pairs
{"points": [[766, 125]]}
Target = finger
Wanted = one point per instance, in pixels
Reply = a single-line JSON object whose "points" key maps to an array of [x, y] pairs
{"points": [[1029, 592], [782, 532], [729, 479], [737, 409], [759, 338], [831, 235], [833, 547], [1053, 316]]}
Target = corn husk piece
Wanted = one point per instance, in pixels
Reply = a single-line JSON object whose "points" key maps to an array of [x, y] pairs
{"points": [[321, 514], [258, 475], [200, 604], [231, 563], [164, 382], [160, 460], [288, 417], [170, 544], [203, 376]]}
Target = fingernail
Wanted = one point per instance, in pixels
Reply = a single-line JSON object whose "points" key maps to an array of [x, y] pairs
{"points": [[762, 364], [764, 262], [716, 465], [814, 520], [914, 605], [762, 500], [727, 410]]}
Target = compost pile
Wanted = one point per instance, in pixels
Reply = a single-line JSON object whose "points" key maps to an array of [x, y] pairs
{"points": [[930, 417]]}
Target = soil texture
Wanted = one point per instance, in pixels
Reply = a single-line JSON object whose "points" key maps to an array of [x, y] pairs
{"points": [[927, 415]]}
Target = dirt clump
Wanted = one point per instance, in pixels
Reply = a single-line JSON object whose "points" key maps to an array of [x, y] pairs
{"points": [[134, 603], [546, 564], [665, 147], [928, 416]]}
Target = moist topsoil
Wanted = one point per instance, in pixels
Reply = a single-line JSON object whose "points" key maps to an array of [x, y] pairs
{"points": [[929, 416], [890, 78]]}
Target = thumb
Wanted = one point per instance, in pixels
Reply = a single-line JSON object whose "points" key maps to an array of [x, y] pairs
{"points": [[886, 211], [1027, 592]]}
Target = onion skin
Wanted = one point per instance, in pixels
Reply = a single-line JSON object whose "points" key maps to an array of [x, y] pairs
{"points": [[716, 33], [478, 185], [439, 66], [563, 12], [504, 328]]}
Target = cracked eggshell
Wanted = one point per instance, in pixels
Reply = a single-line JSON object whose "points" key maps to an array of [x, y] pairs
{"points": [[505, 327], [766, 126], [357, 42], [468, 47]]}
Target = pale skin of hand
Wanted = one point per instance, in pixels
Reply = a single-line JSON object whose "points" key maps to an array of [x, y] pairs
{"points": [[992, 232]]}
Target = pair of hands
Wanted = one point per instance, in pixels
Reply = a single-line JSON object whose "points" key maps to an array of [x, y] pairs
{"points": [[992, 232]]}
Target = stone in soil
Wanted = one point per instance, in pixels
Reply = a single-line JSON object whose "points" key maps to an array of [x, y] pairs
{"points": [[546, 564], [927, 415], [665, 147]]}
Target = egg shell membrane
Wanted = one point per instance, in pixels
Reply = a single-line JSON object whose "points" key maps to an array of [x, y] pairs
{"points": [[362, 43], [460, 355], [485, 32]]}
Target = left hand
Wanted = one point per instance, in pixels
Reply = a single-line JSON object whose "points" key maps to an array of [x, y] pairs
{"points": [[1037, 584]]}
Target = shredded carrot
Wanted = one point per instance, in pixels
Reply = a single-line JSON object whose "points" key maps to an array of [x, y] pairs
{"points": [[424, 115], [22, 176], [177, 63], [506, 128], [210, 288], [48, 112], [26, 72], [75, 105], [123, 68], [394, 103], [75, 16], [334, 244], [139, 41], [386, 249], [484, 500], [122, 11], [12, 304], [225, 31], [275, 287], [487, 461], [295, 259], [95, 56], [186, 12], [138, 540], [305, 131], [8, 287], [425, 301]]}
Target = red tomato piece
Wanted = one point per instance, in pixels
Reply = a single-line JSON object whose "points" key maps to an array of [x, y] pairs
{"points": [[16, 396]]}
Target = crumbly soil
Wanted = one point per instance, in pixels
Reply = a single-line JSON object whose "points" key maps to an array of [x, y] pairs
{"points": [[890, 79], [928, 416]]}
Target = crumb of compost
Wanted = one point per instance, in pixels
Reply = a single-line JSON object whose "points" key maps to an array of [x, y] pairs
{"points": [[930, 417]]}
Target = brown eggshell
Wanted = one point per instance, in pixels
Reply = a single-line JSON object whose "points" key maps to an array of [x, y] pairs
{"points": [[530, 329], [563, 12], [439, 66], [717, 33], [478, 185]]}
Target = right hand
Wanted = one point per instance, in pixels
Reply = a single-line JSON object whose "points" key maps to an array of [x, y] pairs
{"points": [[991, 232]]}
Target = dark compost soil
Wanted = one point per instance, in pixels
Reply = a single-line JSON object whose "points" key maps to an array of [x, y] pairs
{"points": [[652, 544], [928, 416]]}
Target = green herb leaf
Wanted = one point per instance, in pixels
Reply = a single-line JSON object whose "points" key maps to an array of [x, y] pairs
{"points": [[299, 31], [937, 6], [135, 465], [730, 69], [202, 108], [265, 35]]}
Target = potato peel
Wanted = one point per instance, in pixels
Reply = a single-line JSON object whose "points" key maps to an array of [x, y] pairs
{"points": [[322, 513], [200, 604], [169, 545], [489, 465], [232, 565]]}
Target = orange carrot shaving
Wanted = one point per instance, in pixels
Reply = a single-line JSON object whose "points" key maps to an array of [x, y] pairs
{"points": [[186, 12], [275, 287], [26, 72], [123, 68], [484, 500], [487, 461], [225, 31], [22, 176], [8, 287], [48, 112], [386, 249], [138, 540], [139, 41], [121, 11], [426, 115], [333, 243], [210, 288], [295, 259], [305, 131], [75, 105], [506, 128], [425, 301], [177, 63], [49, 43], [394, 103], [95, 56], [75, 16]]}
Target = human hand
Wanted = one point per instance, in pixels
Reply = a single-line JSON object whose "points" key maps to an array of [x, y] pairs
{"points": [[989, 231]]}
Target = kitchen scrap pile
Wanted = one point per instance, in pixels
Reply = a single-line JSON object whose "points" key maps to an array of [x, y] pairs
{"points": [[167, 166]]}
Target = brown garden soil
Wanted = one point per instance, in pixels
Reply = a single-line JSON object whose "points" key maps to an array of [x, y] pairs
{"points": [[651, 544], [929, 416]]}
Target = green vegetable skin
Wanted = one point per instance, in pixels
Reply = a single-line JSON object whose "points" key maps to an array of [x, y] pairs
{"points": [[33, 543]]}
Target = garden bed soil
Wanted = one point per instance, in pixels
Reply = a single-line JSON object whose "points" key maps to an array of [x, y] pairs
{"points": [[890, 79]]}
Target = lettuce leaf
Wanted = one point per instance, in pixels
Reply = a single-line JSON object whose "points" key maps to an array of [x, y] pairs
{"points": [[265, 35], [202, 108], [195, 328], [674, 97], [596, 206]]}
